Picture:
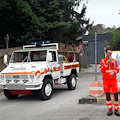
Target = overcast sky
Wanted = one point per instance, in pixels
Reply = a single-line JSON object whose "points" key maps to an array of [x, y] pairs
{"points": [[103, 12]]}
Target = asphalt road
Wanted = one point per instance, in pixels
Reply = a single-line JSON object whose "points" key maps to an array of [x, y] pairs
{"points": [[64, 105]]}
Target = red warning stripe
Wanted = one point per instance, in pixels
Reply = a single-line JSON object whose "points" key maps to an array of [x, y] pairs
{"points": [[71, 66]]}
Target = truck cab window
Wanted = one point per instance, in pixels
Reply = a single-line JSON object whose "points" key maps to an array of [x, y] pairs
{"points": [[38, 55], [54, 59]]}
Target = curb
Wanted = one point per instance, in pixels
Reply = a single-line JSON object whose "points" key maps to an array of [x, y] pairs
{"points": [[89, 99]]}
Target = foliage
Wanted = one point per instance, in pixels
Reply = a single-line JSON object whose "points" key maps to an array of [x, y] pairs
{"points": [[34, 20], [114, 38], [114, 35], [17, 19]]}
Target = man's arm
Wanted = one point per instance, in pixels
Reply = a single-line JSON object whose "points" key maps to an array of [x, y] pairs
{"points": [[117, 67], [103, 66]]}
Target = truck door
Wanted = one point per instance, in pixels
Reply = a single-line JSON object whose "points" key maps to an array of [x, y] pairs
{"points": [[54, 66]]}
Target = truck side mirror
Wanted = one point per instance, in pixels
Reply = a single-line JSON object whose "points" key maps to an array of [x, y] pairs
{"points": [[49, 57], [6, 59]]}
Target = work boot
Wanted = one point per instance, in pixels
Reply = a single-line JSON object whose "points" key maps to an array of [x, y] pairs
{"points": [[117, 113], [110, 112]]}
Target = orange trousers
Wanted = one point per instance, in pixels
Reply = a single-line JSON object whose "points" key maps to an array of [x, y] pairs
{"points": [[110, 85]]}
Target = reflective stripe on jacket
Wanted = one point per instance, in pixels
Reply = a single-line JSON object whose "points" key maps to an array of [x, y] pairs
{"points": [[106, 69]]}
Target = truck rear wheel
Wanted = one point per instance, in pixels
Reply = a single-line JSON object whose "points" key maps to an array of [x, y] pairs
{"points": [[47, 90], [72, 82], [9, 95]]}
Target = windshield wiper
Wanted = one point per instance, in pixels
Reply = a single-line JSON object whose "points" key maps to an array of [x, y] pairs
{"points": [[24, 60]]}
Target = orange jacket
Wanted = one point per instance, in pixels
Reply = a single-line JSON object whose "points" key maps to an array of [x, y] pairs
{"points": [[107, 68]]}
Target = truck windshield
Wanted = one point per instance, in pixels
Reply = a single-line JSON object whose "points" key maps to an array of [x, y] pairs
{"points": [[38, 55], [19, 57], [26, 57]]}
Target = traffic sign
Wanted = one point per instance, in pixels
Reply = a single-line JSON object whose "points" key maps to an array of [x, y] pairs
{"points": [[96, 88]]}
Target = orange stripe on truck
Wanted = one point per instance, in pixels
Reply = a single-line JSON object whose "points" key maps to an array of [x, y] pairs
{"points": [[71, 66], [37, 73], [46, 70], [17, 73], [55, 69], [43, 72]]}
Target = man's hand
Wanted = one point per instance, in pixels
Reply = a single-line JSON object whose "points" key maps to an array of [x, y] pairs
{"points": [[112, 73], [108, 61]]}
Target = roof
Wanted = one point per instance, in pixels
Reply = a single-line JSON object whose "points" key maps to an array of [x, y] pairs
{"points": [[100, 37], [35, 49]]}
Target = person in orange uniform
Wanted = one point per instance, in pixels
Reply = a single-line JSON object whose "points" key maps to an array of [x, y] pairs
{"points": [[109, 68]]}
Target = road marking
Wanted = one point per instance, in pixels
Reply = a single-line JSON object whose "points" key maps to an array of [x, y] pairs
{"points": [[96, 88]]}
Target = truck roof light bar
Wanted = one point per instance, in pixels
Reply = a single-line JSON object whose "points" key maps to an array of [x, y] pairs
{"points": [[42, 44]]}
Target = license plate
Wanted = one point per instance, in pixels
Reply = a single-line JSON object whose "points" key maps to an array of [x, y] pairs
{"points": [[15, 86]]}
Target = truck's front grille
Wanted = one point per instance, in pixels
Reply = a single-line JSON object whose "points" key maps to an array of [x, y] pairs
{"points": [[9, 77], [24, 76], [16, 76]]}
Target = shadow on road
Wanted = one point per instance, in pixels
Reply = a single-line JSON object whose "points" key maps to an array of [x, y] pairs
{"points": [[34, 97]]}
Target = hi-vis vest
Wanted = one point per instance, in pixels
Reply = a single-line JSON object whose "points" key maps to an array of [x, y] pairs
{"points": [[106, 69]]}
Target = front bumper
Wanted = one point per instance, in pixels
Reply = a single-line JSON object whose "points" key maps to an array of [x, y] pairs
{"points": [[21, 86]]}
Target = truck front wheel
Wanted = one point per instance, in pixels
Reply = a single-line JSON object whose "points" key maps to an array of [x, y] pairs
{"points": [[72, 82], [9, 95], [47, 90]]}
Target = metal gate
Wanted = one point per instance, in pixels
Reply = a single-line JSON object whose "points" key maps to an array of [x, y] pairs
{"points": [[91, 47], [91, 52]]}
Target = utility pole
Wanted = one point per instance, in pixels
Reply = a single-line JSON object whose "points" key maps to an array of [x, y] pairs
{"points": [[96, 56]]}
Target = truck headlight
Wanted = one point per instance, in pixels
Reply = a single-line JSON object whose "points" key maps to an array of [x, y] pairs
{"points": [[32, 77], [2, 77], [25, 81], [8, 81]]}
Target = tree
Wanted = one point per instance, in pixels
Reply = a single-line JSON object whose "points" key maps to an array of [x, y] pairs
{"points": [[99, 28], [114, 35], [114, 39], [34, 20], [17, 19]]}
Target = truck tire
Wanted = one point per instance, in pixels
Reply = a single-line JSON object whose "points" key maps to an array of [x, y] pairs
{"points": [[9, 95], [47, 89], [72, 82]]}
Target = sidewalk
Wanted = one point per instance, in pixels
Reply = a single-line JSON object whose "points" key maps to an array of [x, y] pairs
{"points": [[90, 70], [89, 99]]}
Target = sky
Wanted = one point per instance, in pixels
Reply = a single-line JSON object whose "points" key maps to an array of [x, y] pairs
{"points": [[103, 12]]}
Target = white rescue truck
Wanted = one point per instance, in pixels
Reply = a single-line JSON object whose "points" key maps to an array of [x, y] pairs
{"points": [[36, 69]]}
